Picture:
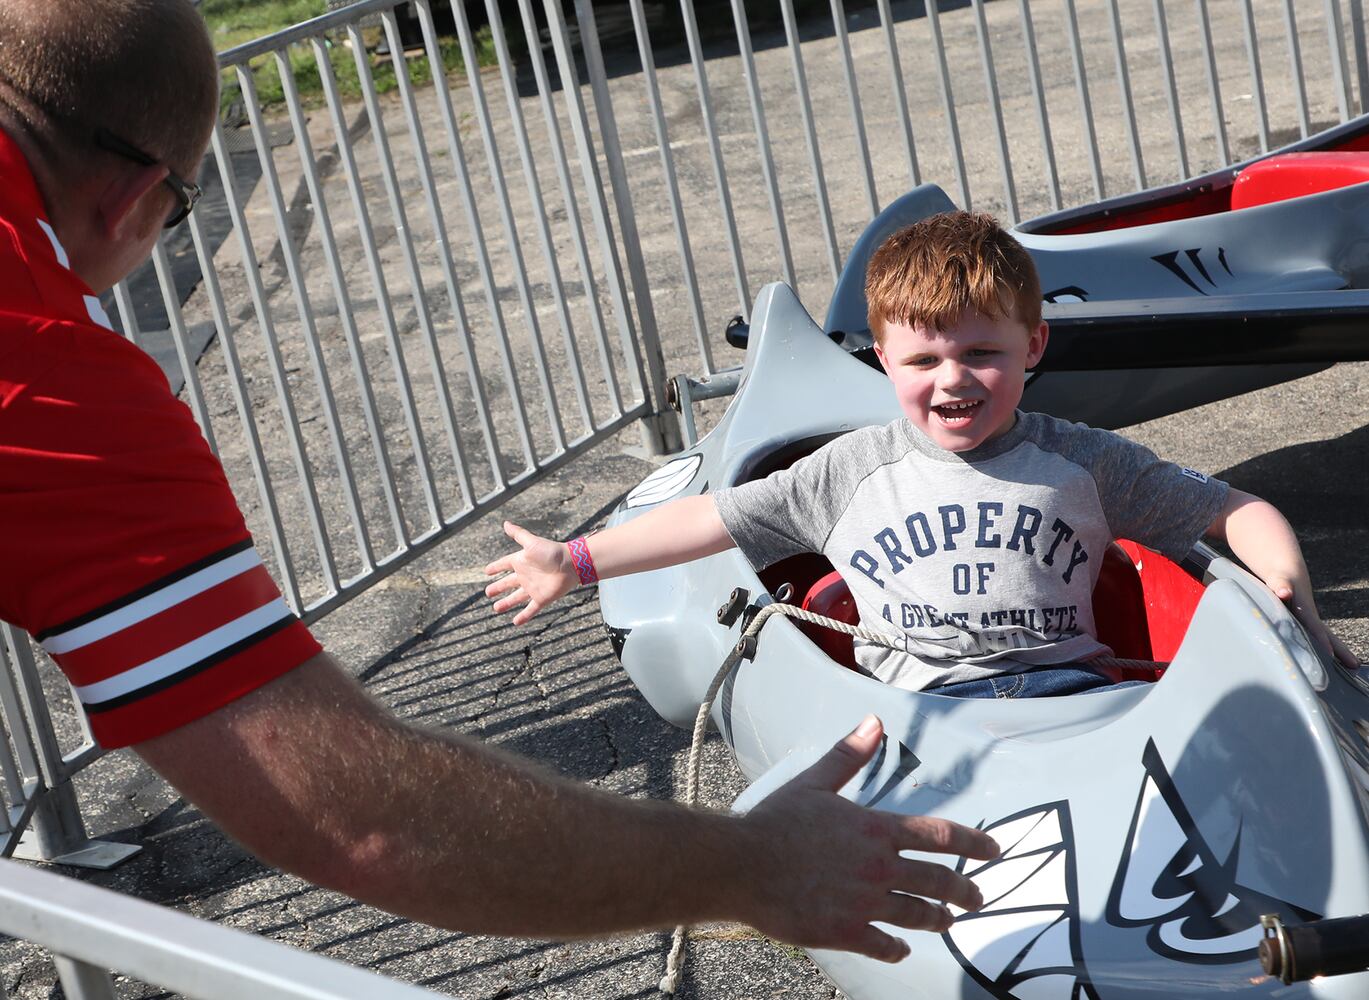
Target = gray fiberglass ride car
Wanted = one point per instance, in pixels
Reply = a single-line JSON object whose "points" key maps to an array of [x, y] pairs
{"points": [[1144, 830]]}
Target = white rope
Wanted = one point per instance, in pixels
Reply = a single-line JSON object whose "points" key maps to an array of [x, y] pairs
{"points": [[674, 966]]}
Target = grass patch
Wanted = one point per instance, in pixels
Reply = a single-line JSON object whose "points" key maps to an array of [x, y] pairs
{"points": [[236, 22]]}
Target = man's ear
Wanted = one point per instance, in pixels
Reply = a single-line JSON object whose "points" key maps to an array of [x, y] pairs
{"points": [[118, 202], [1036, 344]]}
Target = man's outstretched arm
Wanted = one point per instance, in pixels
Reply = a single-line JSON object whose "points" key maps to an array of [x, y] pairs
{"points": [[314, 777]]}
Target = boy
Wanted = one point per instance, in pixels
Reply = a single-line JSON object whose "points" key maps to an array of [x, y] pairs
{"points": [[971, 532]]}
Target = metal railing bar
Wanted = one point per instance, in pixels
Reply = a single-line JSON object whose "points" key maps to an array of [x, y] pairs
{"points": [[403, 237], [38, 720], [361, 375], [594, 193], [510, 226], [323, 221], [1043, 120], [384, 309], [534, 189], [857, 116], [1340, 70], [478, 241], [578, 117], [886, 20], [284, 399], [540, 215], [227, 341], [311, 334], [491, 501], [446, 408], [87, 753], [1124, 86], [672, 183], [303, 465], [18, 766], [716, 156], [981, 28], [661, 435], [20, 817], [1171, 87], [810, 134], [83, 981], [1214, 87], [172, 950], [305, 31], [1361, 52], [948, 104], [1086, 108], [553, 127], [1252, 48], [428, 328], [474, 374], [128, 317], [767, 163], [1290, 21], [190, 371]]}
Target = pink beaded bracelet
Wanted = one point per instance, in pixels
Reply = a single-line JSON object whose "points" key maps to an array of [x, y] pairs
{"points": [[584, 564]]}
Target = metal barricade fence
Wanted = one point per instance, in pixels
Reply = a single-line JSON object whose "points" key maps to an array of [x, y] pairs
{"points": [[89, 931], [354, 317], [392, 313]]}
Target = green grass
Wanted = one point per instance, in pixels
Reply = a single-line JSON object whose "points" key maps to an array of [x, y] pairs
{"points": [[235, 22]]}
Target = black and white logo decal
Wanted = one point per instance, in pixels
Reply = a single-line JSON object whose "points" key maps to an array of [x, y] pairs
{"points": [[1195, 270], [1172, 882], [666, 482], [1024, 943]]}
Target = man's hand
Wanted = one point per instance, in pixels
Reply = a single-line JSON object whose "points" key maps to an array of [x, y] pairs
{"points": [[829, 867], [539, 574]]}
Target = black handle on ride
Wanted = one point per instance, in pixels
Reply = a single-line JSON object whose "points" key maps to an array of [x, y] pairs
{"points": [[1320, 948]]}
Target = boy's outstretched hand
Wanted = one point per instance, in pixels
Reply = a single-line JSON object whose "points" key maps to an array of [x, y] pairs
{"points": [[540, 573]]}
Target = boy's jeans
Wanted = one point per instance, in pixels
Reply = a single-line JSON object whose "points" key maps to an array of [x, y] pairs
{"points": [[1043, 682]]}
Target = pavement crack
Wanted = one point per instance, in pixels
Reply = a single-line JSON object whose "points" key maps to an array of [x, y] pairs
{"points": [[614, 758]]}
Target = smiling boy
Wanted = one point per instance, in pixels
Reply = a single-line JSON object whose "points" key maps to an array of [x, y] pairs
{"points": [[971, 534]]}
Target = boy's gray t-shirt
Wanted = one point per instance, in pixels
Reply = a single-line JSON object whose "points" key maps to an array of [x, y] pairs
{"points": [[974, 563]]}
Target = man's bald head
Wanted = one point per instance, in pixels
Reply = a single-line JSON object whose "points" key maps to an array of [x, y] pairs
{"points": [[143, 69]]}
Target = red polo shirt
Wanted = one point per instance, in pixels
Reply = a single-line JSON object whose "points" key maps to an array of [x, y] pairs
{"points": [[125, 554]]}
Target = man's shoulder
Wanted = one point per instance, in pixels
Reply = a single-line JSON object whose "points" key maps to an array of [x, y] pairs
{"points": [[35, 340]]}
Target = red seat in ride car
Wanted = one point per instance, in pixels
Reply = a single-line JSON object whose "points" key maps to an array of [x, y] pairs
{"points": [[1142, 605], [1293, 175]]}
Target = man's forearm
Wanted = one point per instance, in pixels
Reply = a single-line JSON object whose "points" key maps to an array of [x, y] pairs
{"points": [[441, 829], [311, 775]]}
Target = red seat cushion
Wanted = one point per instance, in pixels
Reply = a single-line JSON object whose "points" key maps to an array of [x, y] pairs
{"points": [[1142, 605], [1293, 175], [831, 598]]}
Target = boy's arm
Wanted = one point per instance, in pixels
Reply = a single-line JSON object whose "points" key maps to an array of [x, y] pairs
{"points": [[1262, 538], [542, 571]]}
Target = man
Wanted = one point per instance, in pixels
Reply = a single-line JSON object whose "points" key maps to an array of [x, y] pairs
{"points": [[130, 562]]}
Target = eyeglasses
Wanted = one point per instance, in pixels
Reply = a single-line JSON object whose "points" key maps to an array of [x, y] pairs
{"points": [[187, 194]]}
